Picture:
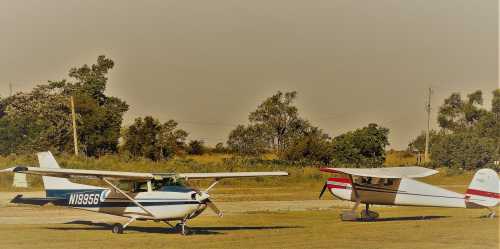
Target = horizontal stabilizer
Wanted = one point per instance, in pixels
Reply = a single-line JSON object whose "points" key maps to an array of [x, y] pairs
{"points": [[19, 199]]}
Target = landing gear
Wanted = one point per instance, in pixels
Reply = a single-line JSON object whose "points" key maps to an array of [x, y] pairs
{"points": [[183, 228], [118, 228], [492, 214], [367, 214]]}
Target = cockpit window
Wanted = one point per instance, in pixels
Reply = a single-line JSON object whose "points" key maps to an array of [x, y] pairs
{"points": [[166, 184]]}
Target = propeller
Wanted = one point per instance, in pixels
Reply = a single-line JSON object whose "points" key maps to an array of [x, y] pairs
{"points": [[214, 208], [322, 191]]}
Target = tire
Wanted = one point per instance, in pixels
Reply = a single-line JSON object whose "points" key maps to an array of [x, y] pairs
{"points": [[371, 215], [185, 231], [117, 228]]}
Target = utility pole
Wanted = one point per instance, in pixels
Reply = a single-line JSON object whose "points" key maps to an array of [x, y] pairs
{"points": [[73, 117], [10, 89], [428, 109]]}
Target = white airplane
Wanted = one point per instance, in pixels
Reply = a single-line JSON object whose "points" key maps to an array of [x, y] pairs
{"points": [[138, 196], [396, 186]]}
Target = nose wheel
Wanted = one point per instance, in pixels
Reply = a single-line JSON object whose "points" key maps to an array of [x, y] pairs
{"points": [[182, 228]]}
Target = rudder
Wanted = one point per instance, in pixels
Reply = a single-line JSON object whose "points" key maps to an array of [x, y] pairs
{"points": [[484, 188]]}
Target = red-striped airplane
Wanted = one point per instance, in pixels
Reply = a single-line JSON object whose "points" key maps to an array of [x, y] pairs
{"points": [[397, 186]]}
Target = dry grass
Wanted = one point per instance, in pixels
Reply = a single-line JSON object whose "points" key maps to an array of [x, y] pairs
{"points": [[402, 228]]}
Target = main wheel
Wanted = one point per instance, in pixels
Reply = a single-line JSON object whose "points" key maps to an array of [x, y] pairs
{"points": [[117, 228], [370, 215]]}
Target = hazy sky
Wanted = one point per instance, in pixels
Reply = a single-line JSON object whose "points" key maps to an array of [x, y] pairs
{"points": [[208, 64]]}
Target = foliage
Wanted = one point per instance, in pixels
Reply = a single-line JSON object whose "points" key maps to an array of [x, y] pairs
{"points": [[219, 148], [279, 118], [469, 136], [248, 140], [363, 147], [313, 147], [150, 139], [464, 150], [457, 115], [41, 118], [418, 144], [196, 147], [276, 126]]}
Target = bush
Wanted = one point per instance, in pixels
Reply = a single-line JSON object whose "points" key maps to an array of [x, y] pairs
{"points": [[196, 147]]}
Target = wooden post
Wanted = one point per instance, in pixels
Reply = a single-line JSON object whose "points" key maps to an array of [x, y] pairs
{"points": [[427, 138], [73, 117]]}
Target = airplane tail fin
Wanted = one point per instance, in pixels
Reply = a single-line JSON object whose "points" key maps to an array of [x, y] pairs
{"points": [[484, 188], [56, 186]]}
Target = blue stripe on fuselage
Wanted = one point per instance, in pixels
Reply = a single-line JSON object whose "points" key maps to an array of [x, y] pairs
{"points": [[64, 197], [65, 193]]}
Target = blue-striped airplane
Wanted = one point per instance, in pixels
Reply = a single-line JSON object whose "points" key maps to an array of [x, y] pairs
{"points": [[137, 196]]}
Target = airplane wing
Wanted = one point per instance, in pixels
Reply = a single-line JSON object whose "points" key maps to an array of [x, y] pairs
{"points": [[80, 173], [390, 172], [118, 175], [222, 175]]}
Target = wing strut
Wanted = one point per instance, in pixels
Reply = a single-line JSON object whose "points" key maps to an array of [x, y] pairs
{"points": [[356, 194], [128, 197]]}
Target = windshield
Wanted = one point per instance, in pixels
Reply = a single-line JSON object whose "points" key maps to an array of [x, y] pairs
{"points": [[167, 184]]}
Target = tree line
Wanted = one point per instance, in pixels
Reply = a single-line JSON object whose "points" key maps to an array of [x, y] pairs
{"points": [[40, 120], [469, 134]]}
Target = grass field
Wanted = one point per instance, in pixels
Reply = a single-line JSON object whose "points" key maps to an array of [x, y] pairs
{"points": [[401, 227]]}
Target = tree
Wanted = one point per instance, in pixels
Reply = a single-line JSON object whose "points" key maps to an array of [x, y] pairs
{"points": [[495, 103], [219, 148], [279, 118], [196, 147], [248, 140], [363, 147], [470, 135], [419, 142], [313, 147], [150, 139], [464, 150], [42, 116], [456, 115]]}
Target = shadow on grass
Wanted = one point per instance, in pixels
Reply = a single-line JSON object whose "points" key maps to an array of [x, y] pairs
{"points": [[92, 226], [410, 218]]}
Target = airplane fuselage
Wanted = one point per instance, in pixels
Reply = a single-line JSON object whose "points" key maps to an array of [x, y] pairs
{"points": [[403, 192], [179, 204]]}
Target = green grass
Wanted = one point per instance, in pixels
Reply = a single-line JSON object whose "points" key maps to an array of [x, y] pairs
{"points": [[403, 228]]}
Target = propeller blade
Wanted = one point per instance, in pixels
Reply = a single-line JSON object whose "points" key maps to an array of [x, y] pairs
{"points": [[322, 191], [214, 208]]}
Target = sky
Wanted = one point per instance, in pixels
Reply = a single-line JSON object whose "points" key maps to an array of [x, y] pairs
{"points": [[208, 64]]}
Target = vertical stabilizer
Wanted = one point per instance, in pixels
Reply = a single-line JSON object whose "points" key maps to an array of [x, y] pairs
{"points": [[56, 186], [484, 188]]}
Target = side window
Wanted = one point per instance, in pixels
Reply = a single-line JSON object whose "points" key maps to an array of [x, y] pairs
{"points": [[389, 182]]}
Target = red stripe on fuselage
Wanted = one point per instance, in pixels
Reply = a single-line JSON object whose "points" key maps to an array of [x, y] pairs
{"points": [[342, 180], [483, 193], [330, 186]]}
